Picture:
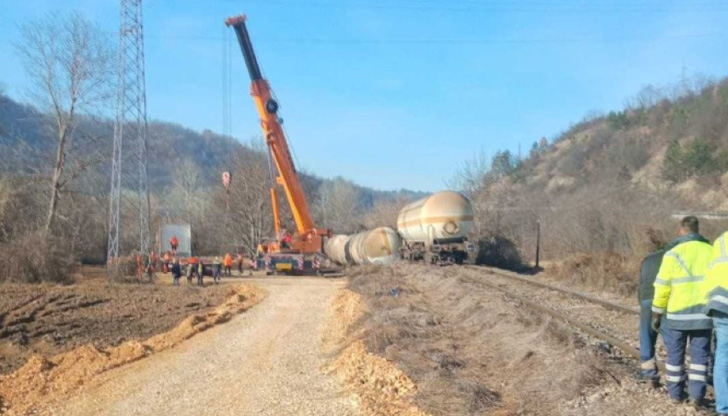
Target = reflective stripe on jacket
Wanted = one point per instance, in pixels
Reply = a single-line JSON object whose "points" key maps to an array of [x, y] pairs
{"points": [[716, 279], [680, 286]]}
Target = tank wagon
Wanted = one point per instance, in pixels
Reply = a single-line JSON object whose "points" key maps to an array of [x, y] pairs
{"points": [[378, 246], [435, 229]]}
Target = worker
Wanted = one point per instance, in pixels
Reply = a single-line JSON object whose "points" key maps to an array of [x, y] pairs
{"points": [[228, 264], [648, 336], [166, 262], [216, 269], [240, 261], [176, 272], [284, 239], [261, 250], [680, 295], [192, 269], [201, 274], [174, 243], [716, 286]]}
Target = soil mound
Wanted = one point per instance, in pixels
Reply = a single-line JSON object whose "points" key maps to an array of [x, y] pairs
{"points": [[42, 380], [382, 388]]}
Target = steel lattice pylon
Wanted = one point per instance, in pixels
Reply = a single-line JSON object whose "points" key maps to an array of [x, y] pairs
{"points": [[131, 123]]}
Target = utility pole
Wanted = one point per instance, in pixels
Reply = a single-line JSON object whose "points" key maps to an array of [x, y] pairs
{"points": [[538, 242], [131, 123]]}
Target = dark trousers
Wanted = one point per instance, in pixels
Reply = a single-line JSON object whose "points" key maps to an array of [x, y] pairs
{"points": [[648, 338], [676, 341]]}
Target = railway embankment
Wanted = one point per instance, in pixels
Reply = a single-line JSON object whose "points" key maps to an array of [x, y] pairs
{"points": [[470, 345]]}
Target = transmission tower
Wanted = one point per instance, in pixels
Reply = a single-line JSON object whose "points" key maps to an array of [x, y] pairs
{"points": [[131, 123]]}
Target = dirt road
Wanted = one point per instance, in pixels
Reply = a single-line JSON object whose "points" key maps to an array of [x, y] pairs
{"points": [[266, 361]]}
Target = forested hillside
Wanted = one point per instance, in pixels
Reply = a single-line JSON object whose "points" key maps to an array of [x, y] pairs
{"points": [[610, 183], [184, 171]]}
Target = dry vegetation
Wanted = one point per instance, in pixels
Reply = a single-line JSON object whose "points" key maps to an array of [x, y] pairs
{"points": [[54, 180], [604, 190], [48, 319], [44, 379], [470, 351]]}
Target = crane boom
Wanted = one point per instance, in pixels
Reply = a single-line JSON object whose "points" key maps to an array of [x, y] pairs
{"points": [[310, 237]]}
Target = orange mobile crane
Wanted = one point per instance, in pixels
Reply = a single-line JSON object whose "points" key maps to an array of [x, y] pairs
{"points": [[308, 240]]}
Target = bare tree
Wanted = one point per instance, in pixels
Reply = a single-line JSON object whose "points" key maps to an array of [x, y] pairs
{"points": [[187, 183], [337, 205], [384, 213], [250, 214], [70, 65]]}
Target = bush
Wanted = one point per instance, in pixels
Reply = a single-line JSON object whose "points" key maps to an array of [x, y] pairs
{"points": [[696, 159], [603, 271], [618, 120], [499, 252], [35, 258]]}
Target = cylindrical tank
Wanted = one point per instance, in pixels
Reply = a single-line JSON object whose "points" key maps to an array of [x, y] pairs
{"points": [[442, 215], [335, 248], [377, 246], [353, 249]]}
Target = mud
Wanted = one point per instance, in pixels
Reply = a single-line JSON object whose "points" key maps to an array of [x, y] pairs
{"points": [[49, 319], [44, 380]]}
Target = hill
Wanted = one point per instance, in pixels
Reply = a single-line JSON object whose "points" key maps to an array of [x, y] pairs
{"points": [[184, 171], [610, 183], [25, 136]]}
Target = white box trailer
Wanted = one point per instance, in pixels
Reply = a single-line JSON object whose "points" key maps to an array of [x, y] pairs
{"points": [[183, 232]]}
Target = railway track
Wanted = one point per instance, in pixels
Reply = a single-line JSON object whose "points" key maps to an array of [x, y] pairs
{"points": [[611, 322]]}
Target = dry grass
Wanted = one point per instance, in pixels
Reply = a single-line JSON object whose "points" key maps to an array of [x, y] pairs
{"points": [[607, 271], [35, 258], [469, 350]]}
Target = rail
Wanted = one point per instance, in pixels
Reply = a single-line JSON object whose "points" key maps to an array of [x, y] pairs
{"points": [[574, 293], [621, 345]]}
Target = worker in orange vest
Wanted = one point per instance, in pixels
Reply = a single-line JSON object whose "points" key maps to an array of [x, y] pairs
{"points": [[228, 262], [166, 262], [174, 242]]}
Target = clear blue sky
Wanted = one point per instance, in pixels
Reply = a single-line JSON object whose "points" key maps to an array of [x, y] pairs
{"points": [[397, 93]]}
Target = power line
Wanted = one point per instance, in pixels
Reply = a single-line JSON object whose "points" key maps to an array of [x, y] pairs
{"points": [[403, 41], [500, 7]]}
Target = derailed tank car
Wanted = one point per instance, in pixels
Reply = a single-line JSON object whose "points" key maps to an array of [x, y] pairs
{"points": [[435, 229], [378, 246]]}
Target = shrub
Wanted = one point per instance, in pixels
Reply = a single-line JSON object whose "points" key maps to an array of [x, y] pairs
{"points": [[603, 271], [673, 167], [696, 159], [35, 258], [618, 120], [499, 252]]}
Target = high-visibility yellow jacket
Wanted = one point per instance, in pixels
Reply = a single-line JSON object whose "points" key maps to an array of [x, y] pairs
{"points": [[716, 279], [680, 286]]}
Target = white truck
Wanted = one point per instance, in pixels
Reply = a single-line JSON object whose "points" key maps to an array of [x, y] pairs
{"points": [[183, 232]]}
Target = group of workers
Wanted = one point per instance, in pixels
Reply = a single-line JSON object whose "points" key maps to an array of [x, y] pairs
{"points": [[683, 295], [283, 242], [196, 268]]}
